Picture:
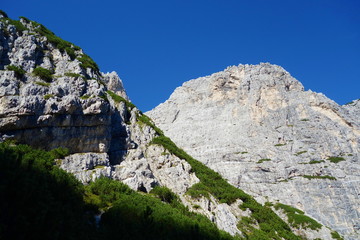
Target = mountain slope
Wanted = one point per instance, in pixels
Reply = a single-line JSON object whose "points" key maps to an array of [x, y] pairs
{"points": [[53, 95], [257, 126]]}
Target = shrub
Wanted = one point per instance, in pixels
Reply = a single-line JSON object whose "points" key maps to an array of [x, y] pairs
{"points": [[297, 218], [316, 161], [47, 96], [336, 159], [74, 75], [19, 72], [264, 160], [319, 177], [299, 153], [164, 193], [279, 144], [87, 62], [43, 84], [336, 235], [146, 120], [43, 73], [4, 14], [118, 99]]}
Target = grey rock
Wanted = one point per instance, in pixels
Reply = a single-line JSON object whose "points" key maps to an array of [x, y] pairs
{"points": [[232, 119]]}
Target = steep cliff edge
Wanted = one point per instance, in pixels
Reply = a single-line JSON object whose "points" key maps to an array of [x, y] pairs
{"points": [[257, 126], [53, 95]]}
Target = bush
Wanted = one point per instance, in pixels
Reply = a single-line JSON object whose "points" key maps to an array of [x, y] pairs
{"points": [[297, 218], [119, 99], [319, 177], [43, 73], [87, 62], [336, 159], [263, 160], [19, 72], [4, 14], [47, 96]]}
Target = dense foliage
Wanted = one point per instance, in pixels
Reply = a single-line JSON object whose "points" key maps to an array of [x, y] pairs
{"points": [[19, 72], [43, 73], [297, 218], [41, 201]]}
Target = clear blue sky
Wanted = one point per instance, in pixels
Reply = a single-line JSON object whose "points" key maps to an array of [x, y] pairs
{"points": [[155, 46]]}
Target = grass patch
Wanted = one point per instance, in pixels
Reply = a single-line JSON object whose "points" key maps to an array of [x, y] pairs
{"points": [[19, 72], [43, 73], [74, 75], [119, 99], [62, 45], [147, 121], [263, 160], [336, 235], [316, 161], [299, 153], [304, 120], [84, 97], [47, 96], [43, 84], [335, 159], [280, 144], [297, 219], [319, 177], [87, 62]]}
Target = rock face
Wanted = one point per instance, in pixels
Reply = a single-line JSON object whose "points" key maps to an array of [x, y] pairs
{"points": [[53, 95], [257, 126]]}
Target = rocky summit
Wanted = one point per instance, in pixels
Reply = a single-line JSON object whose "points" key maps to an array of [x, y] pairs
{"points": [[253, 124], [257, 126]]}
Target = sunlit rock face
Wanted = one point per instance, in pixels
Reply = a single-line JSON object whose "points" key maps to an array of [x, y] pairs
{"points": [[257, 126]]}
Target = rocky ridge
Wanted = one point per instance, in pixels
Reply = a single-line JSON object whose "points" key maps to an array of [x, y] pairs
{"points": [[53, 95], [257, 126]]}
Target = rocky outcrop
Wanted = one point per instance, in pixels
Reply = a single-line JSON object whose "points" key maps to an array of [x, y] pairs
{"points": [[257, 126], [53, 95]]}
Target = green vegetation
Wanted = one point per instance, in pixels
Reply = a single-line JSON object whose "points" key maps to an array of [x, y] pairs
{"points": [[87, 62], [43, 84], [4, 14], [43, 73], [271, 226], [299, 153], [19, 72], [119, 99], [74, 75], [47, 96], [18, 25], [304, 120], [39, 199], [297, 218], [280, 144], [264, 160], [336, 235], [59, 43], [335, 159], [319, 177], [316, 161], [84, 97], [147, 121]]}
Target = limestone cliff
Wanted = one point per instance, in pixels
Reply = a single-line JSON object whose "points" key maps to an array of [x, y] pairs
{"points": [[257, 126], [53, 95]]}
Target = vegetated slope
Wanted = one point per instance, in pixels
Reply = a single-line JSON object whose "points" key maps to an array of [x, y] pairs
{"points": [[257, 127], [53, 95], [41, 201]]}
